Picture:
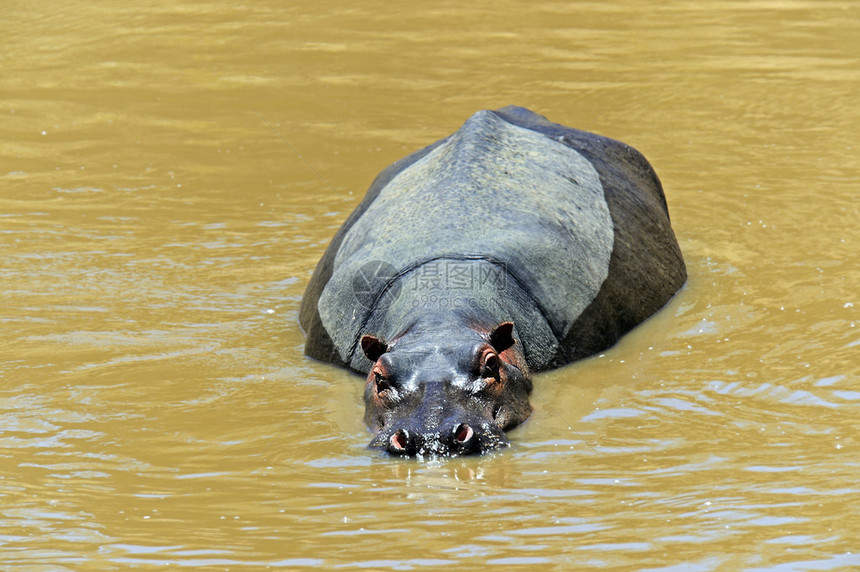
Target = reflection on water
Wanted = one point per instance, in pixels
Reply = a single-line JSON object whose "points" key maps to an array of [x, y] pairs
{"points": [[156, 234]]}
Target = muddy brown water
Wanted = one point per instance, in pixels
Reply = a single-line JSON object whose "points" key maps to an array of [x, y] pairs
{"points": [[156, 234]]}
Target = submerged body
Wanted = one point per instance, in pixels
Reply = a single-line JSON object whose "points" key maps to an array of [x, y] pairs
{"points": [[514, 245]]}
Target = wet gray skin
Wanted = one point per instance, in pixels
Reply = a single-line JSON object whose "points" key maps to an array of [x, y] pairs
{"points": [[439, 390]]}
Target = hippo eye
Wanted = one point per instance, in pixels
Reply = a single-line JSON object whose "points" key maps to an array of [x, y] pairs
{"points": [[382, 383], [489, 364]]}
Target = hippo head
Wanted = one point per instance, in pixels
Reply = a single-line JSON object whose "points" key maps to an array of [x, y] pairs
{"points": [[430, 394]]}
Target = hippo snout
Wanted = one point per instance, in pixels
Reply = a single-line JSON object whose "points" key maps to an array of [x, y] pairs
{"points": [[450, 440]]}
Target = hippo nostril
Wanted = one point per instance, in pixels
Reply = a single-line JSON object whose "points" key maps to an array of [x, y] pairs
{"points": [[399, 440], [463, 433]]}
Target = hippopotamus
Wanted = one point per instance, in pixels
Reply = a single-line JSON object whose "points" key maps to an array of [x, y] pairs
{"points": [[512, 246]]}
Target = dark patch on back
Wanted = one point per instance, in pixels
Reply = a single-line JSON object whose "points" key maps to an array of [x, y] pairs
{"points": [[646, 267]]}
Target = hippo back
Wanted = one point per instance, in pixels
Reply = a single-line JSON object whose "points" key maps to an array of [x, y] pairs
{"points": [[573, 226]]}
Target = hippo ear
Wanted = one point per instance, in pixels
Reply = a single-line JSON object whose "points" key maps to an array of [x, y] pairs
{"points": [[373, 347], [502, 337]]}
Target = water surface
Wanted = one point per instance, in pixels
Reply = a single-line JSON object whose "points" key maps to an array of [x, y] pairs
{"points": [[157, 229]]}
